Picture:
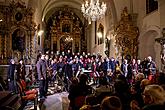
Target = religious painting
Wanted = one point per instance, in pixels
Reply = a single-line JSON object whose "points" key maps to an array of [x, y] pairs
{"points": [[66, 28], [18, 40]]}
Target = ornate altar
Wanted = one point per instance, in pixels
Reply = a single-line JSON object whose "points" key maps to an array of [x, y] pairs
{"points": [[65, 31], [127, 36], [17, 30]]}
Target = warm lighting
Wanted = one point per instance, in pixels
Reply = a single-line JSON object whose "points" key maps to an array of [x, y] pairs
{"points": [[42, 19], [99, 34], [1, 20], [68, 39], [93, 10], [108, 37], [40, 32]]}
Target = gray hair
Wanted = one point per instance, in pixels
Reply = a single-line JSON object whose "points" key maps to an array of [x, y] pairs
{"points": [[156, 92]]}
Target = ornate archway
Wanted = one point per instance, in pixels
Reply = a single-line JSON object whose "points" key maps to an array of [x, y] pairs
{"points": [[63, 26], [16, 31], [147, 44]]}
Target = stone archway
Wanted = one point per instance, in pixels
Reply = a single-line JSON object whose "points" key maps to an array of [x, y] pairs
{"points": [[147, 44]]}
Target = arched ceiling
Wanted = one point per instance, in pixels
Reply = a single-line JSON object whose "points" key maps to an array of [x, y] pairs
{"points": [[50, 5]]}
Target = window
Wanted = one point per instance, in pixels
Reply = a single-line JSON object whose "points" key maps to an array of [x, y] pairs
{"points": [[151, 5], [100, 33]]}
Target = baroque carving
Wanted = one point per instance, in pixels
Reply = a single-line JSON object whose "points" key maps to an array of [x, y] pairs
{"points": [[17, 18], [65, 23], [127, 35]]}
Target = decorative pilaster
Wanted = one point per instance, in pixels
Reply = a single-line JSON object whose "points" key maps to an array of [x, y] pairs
{"points": [[92, 37]]}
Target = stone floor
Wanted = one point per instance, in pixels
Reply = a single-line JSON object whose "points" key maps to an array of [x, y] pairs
{"points": [[57, 99]]}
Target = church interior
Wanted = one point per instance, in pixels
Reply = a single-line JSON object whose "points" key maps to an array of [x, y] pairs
{"points": [[118, 29]]}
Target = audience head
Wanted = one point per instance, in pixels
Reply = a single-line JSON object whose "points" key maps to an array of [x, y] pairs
{"points": [[86, 107], [154, 94], [83, 78], [121, 86], [139, 77], [74, 80], [111, 103], [144, 83]]}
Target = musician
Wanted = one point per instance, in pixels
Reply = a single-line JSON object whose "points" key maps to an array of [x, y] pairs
{"points": [[60, 67], [112, 64], [151, 66], [89, 67], [109, 70], [68, 54], [42, 76], [49, 70], [145, 67], [11, 76], [21, 70], [95, 73], [133, 67], [124, 68], [54, 68], [139, 66], [75, 67], [68, 70]]}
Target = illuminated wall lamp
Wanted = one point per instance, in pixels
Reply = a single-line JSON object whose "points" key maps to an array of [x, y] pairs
{"points": [[40, 33], [99, 34]]}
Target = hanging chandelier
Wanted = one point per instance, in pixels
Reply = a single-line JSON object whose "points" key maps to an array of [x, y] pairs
{"points": [[68, 39], [93, 11]]}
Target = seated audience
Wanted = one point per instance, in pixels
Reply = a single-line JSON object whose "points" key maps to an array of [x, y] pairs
{"points": [[111, 103], [136, 89], [144, 83], [154, 97], [78, 93], [122, 91]]}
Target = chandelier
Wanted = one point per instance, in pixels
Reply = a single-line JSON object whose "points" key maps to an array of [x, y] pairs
{"points": [[93, 11], [68, 39]]}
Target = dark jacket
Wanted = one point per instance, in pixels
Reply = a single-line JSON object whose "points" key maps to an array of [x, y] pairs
{"points": [[154, 107], [41, 69], [21, 71], [11, 71]]}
